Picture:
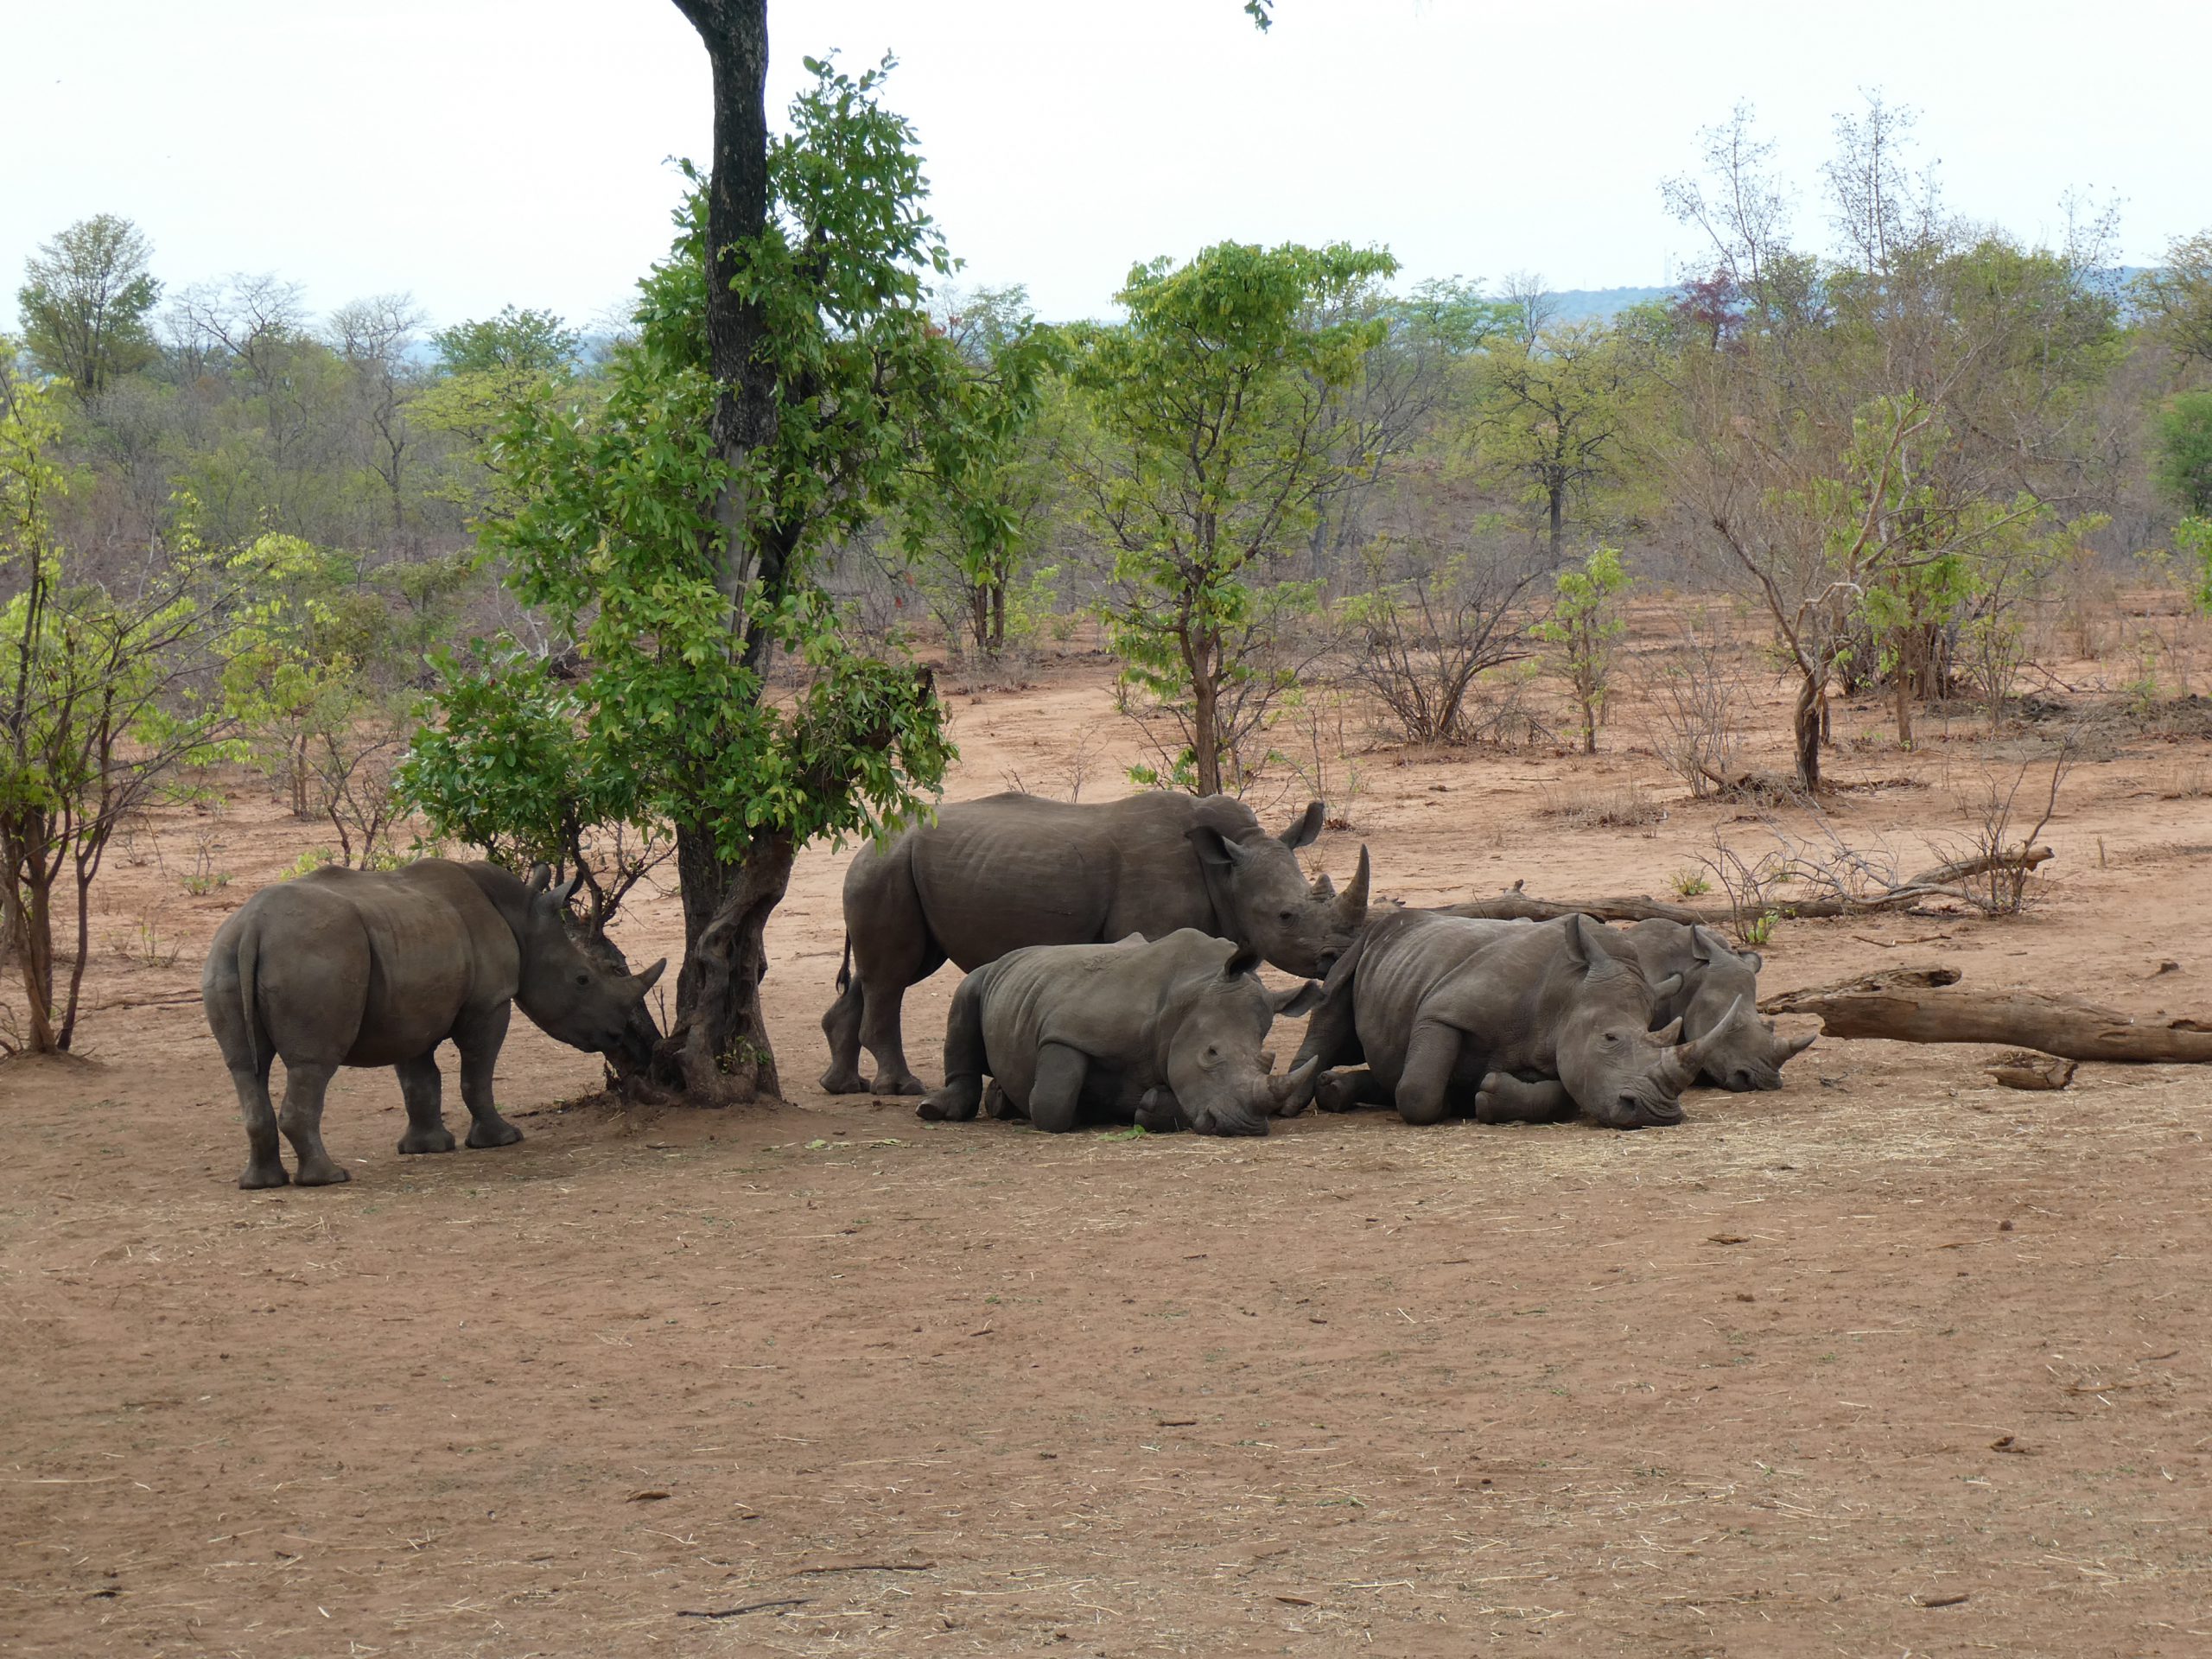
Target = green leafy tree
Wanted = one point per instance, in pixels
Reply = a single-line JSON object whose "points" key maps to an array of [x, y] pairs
{"points": [[975, 527], [518, 342], [2183, 463], [1210, 405], [85, 301], [2176, 296], [677, 529], [1585, 626], [96, 711], [1556, 412]]}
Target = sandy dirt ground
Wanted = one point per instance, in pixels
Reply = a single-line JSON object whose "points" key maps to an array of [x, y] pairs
{"points": [[1890, 1360]]}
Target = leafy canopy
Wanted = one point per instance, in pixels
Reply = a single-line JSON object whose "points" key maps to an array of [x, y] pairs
{"points": [[679, 616]]}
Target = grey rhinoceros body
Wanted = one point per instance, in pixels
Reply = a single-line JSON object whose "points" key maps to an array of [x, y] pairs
{"points": [[1452, 1014], [1013, 870], [1717, 1003], [353, 967], [1168, 1032]]}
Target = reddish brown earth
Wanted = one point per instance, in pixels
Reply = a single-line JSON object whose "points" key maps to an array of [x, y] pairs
{"points": [[1890, 1360]]}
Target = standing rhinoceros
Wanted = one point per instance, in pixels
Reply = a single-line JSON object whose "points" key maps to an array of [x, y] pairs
{"points": [[1167, 1032], [348, 968], [993, 875], [1718, 1003], [1450, 1013]]}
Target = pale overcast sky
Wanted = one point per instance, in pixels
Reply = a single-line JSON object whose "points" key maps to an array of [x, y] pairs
{"points": [[477, 152]]}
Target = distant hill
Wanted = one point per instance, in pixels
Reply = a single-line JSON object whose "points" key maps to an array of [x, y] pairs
{"points": [[1601, 304]]}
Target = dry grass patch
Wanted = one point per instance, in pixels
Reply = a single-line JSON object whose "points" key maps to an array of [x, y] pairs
{"points": [[1594, 806]]}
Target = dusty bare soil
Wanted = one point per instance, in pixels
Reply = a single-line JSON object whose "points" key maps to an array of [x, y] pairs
{"points": [[1890, 1360]]}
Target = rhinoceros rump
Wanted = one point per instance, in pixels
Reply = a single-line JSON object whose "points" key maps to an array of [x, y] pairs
{"points": [[1718, 1003], [1168, 1033], [1452, 1014], [993, 875], [349, 967]]}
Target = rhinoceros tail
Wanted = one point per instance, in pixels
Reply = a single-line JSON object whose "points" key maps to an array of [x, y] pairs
{"points": [[845, 968], [249, 960]]}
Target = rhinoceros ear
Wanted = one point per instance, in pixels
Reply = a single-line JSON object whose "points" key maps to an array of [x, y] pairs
{"points": [[1216, 849], [1241, 961], [1324, 888], [1590, 943], [1706, 947], [1752, 960], [1303, 832], [1292, 1003], [558, 896], [539, 875]]}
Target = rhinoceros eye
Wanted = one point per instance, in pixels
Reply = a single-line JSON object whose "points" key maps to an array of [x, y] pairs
{"points": [[1286, 916], [583, 979]]}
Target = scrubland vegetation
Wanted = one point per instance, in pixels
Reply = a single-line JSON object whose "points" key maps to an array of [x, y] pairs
{"points": [[593, 600]]}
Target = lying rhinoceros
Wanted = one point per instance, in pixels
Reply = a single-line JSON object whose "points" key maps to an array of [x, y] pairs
{"points": [[1718, 1003], [993, 875], [1168, 1033], [349, 967], [1454, 1014]]}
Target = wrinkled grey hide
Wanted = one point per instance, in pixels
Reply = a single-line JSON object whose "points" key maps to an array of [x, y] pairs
{"points": [[1451, 1013], [354, 968], [1718, 999], [1168, 1033], [995, 875]]}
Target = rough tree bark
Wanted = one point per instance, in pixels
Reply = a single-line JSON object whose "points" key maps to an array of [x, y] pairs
{"points": [[718, 1048], [1920, 1005]]}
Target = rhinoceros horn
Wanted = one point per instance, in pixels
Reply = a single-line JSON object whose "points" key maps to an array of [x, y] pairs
{"points": [[1351, 903], [1294, 1094], [646, 980], [1323, 887], [1793, 1049], [1662, 989], [1692, 1055]]}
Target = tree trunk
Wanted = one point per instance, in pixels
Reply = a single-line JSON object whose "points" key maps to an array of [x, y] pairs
{"points": [[1557, 495], [1918, 1005], [718, 1052], [1905, 680], [1805, 730], [998, 616], [1205, 731]]}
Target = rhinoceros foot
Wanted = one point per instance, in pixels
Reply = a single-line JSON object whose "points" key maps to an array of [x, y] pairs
{"points": [[437, 1140], [322, 1173], [258, 1174], [898, 1083], [495, 1131], [843, 1080]]}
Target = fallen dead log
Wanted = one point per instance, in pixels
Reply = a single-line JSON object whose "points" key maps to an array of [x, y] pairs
{"points": [[1960, 870], [1923, 1005], [1515, 905]]}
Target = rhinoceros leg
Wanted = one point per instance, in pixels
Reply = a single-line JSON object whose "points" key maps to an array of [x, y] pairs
{"points": [[421, 1088], [301, 1122], [1348, 1090], [1504, 1099], [478, 1036], [1056, 1098], [841, 1026], [880, 1034], [966, 1060], [1159, 1112], [1424, 1093], [263, 1165]]}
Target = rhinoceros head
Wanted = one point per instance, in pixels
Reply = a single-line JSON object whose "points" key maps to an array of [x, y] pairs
{"points": [[1620, 1071], [1264, 900], [1741, 1050], [564, 992], [1217, 1064]]}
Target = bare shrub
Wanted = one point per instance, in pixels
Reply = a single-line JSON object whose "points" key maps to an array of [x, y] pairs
{"points": [[1435, 618], [1615, 806], [1998, 868], [1696, 705]]}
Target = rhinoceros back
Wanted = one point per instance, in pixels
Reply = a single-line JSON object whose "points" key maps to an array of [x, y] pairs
{"points": [[368, 968], [1014, 870]]}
